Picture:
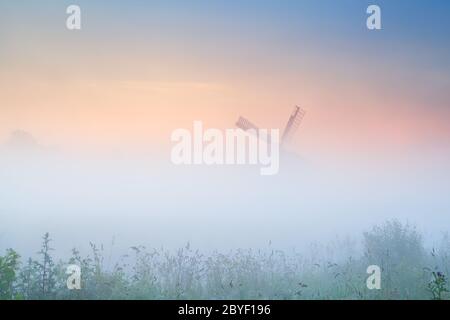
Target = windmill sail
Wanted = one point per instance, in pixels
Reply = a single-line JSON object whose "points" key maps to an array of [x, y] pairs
{"points": [[294, 122], [245, 124], [291, 127]]}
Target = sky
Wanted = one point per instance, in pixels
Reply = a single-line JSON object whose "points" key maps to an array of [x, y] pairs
{"points": [[374, 143], [140, 69]]}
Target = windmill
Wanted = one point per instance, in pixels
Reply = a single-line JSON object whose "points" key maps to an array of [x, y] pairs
{"points": [[291, 127], [247, 125]]}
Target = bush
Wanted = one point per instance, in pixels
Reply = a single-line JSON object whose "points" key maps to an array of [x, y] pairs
{"points": [[398, 249], [9, 265]]}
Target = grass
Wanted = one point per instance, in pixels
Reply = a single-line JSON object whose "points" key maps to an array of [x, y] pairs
{"points": [[409, 271]]}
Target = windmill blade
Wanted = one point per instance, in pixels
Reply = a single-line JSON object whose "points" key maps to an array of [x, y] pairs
{"points": [[293, 124], [245, 124]]}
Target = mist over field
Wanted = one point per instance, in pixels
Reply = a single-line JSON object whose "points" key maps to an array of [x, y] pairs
{"points": [[92, 92], [141, 198]]}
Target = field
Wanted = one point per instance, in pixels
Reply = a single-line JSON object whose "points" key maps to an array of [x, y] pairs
{"points": [[409, 270]]}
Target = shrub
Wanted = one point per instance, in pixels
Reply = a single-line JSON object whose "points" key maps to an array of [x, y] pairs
{"points": [[8, 268]]}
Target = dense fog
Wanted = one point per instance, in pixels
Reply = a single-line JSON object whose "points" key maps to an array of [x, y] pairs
{"points": [[141, 198]]}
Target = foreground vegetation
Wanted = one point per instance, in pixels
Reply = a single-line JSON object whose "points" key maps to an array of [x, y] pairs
{"points": [[409, 271]]}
